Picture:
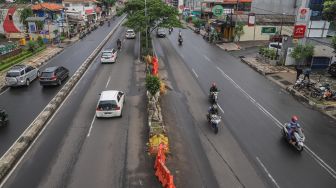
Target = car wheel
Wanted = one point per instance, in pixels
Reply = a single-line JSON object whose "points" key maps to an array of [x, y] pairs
{"points": [[27, 82], [59, 82]]}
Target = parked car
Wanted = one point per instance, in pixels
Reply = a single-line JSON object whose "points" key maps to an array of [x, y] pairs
{"points": [[332, 69], [20, 75], [53, 76], [130, 34], [110, 104], [161, 33], [109, 56], [275, 45]]}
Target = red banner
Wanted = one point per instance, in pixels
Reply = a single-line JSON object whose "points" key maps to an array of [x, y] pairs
{"points": [[299, 31]]}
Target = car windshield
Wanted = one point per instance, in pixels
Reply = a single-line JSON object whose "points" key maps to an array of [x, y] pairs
{"points": [[107, 105], [13, 74], [47, 74], [106, 54], [161, 31], [130, 31]]}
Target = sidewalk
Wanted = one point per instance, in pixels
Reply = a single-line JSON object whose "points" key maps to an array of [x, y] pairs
{"points": [[285, 77], [36, 61]]}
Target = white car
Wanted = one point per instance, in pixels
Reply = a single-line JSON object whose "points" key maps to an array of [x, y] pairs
{"points": [[130, 34], [109, 56], [110, 104], [20, 75]]}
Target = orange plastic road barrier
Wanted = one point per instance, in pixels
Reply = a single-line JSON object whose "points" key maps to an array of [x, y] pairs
{"points": [[164, 176], [160, 157], [155, 66]]}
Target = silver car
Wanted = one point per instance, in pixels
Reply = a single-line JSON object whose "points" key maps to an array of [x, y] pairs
{"points": [[20, 75]]}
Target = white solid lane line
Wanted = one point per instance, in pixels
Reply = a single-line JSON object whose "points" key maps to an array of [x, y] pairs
{"points": [[206, 57], [318, 159], [268, 174], [195, 73], [220, 108], [93, 119], [108, 81]]}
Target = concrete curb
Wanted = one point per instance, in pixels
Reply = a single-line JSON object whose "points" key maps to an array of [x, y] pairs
{"points": [[20, 146], [298, 95]]}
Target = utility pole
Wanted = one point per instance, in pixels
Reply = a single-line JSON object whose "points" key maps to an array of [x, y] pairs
{"points": [[277, 49], [146, 25]]}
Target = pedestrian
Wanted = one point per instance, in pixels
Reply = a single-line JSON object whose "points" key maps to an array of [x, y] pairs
{"points": [[298, 71], [306, 73]]}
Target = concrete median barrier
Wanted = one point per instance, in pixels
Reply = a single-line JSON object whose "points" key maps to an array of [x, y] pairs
{"points": [[20, 146]]}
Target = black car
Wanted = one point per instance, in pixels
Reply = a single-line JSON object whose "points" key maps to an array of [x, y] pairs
{"points": [[332, 69], [53, 76]]}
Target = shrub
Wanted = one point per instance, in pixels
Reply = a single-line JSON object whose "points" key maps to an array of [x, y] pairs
{"points": [[32, 45], [40, 41], [153, 84]]}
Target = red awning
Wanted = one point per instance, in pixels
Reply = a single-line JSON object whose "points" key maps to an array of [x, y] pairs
{"points": [[89, 11]]}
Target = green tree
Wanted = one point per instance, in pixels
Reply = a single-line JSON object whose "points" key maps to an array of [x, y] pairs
{"points": [[333, 42], [302, 53], [238, 31], [109, 2], [153, 84], [329, 9], [159, 14], [24, 14]]}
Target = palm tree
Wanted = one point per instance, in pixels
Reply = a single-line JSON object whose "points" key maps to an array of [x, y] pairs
{"points": [[24, 14]]}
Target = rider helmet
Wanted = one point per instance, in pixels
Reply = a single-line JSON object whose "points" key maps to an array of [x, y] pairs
{"points": [[295, 119], [214, 84]]}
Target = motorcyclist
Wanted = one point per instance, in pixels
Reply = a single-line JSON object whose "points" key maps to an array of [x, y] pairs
{"points": [[109, 23], [119, 43], [213, 109], [213, 88], [292, 127]]}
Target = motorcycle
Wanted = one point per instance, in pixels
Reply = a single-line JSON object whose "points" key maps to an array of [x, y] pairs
{"points": [[108, 23], [319, 92], [301, 84], [213, 97], [119, 46], [170, 30], [180, 40], [3, 118], [214, 120], [297, 139]]}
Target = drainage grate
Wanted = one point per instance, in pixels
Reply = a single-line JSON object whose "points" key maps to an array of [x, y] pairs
{"points": [[276, 77], [286, 82]]}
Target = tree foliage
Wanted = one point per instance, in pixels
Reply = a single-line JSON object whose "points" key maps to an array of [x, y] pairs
{"points": [[302, 52], [109, 2], [239, 31], [153, 84], [24, 14], [333, 43], [159, 14], [329, 10]]}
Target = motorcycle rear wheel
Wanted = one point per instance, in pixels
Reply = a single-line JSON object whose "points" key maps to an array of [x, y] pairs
{"points": [[216, 129]]}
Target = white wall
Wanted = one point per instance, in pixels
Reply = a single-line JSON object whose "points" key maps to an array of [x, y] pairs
{"points": [[254, 32], [317, 28], [273, 6]]}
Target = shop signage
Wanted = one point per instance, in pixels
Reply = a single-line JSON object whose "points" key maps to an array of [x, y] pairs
{"points": [[217, 10], [268, 30], [303, 15], [299, 31], [251, 19]]}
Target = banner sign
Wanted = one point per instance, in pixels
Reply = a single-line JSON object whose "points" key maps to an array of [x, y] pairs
{"points": [[299, 31], [32, 27], [251, 19]]}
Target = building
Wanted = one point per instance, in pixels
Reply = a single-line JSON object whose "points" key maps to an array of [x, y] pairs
{"points": [[10, 24], [86, 9]]}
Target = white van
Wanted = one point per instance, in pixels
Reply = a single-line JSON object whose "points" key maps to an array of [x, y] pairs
{"points": [[110, 104]]}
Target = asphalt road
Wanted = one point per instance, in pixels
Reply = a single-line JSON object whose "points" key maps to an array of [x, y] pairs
{"points": [[23, 104], [254, 108], [78, 150]]}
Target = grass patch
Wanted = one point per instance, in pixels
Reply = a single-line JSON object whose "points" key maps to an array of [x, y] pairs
{"points": [[5, 64]]}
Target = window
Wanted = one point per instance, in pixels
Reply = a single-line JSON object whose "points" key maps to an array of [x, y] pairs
{"points": [[107, 105], [10, 17], [86, 4], [67, 4], [22, 72]]}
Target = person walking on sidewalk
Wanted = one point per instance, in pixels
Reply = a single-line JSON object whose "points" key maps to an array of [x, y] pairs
{"points": [[306, 73], [298, 71]]}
